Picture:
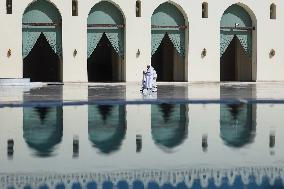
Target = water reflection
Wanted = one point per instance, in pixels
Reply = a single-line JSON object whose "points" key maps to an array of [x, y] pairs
{"points": [[237, 124], [43, 128], [169, 124], [106, 126]]}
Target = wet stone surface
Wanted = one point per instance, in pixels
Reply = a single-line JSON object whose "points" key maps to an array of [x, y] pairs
{"points": [[82, 93]]}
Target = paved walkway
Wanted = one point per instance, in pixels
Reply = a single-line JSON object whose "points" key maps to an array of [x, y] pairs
{"points": [[103, 93]]}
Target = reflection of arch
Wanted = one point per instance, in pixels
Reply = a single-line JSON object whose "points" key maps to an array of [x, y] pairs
{"points": [[168, 60], [169, 124], [237, 124], [43, 128], [106, 126], [237, 44], [42, 43], [105, 19]]}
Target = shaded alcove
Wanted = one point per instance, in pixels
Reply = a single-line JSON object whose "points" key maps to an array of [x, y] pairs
{"points": [[168, 42], [42, 64], [169, 125], [236, 45], [237, 124], [103, 63], [105, 43], [106, 127], [163, 60], [43, 129], [272, 11], [41, 42], [235, 64]]}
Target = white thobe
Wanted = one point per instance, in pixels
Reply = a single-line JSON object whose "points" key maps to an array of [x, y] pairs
{"points": [[149, 77], [144, 80]]}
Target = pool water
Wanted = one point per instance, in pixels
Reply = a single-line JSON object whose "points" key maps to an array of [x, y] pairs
{"points": [[142, 146]]}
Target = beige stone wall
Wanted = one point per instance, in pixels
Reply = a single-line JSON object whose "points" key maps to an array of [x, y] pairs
{"points": [[201, 33]]}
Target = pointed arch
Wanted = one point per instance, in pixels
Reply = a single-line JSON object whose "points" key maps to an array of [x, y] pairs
{"points": [[167, 18], [106, 19], [169, 21], [42, 19], [236, 16], [41, 16], [238, 31]]}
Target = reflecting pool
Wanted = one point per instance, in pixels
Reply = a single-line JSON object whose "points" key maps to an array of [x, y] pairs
{"points": [[142, 146]]}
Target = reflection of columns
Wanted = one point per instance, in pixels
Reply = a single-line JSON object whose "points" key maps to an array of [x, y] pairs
{"points": [[11, 128], [75, 121], [271, 140], [272, 143], [138, 143], [10, 148], [75, 146], [139, 124], [204, 142]]}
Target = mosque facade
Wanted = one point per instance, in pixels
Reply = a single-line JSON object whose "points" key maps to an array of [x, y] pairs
{"points": [[114, 41]]}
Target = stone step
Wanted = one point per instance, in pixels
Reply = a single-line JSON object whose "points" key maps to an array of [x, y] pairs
{"points": [[14, 81]]}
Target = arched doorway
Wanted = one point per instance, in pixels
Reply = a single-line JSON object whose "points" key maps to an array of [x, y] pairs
{"points": [[236, 45], [42, 44], [105, 43], [168, 43]]}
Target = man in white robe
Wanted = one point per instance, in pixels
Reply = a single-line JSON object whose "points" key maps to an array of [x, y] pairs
{"points": [[149, 80], [154, 87], [143, 81], [149, 77]]}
